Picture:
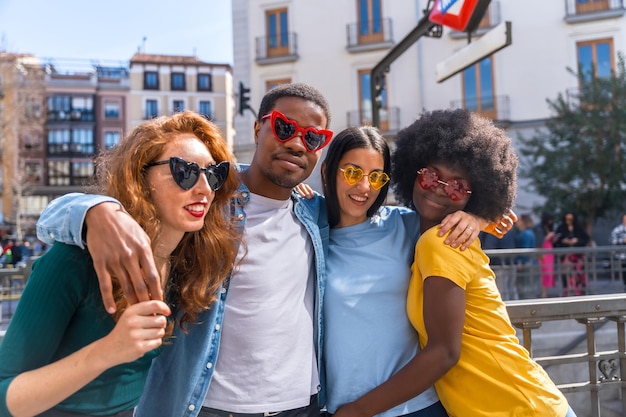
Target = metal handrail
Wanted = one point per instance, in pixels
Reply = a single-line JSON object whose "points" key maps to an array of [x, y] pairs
{"points": [[605, 369]]}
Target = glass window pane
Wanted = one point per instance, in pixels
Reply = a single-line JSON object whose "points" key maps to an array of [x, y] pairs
{"points": [[111, 110], [111, 139], [366, 92], [470, 88], [486, 85], [178, 105], [204, 82], [603, 59], [364, 17], [376, 17], [205, 109], [178, 81], [273, 31], [284, 30], [151, 109], [585, 60]]}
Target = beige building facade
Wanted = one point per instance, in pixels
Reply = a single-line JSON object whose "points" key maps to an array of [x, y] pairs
{"points": [[164, 84], [57, 115]]}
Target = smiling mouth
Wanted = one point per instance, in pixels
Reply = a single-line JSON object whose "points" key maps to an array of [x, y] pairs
{"points": [[358, 198]]}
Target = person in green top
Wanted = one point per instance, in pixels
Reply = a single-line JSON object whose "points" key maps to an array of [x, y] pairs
{"points": [[63, 354]]}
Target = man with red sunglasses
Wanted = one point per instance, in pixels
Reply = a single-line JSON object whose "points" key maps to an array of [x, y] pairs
{"points": [[267, 334]]}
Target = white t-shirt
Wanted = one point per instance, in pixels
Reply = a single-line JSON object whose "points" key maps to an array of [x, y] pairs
{"points": [[266, 360]]}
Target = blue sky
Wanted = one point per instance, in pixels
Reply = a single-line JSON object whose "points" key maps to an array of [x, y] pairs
{"points": [[75, 29]]}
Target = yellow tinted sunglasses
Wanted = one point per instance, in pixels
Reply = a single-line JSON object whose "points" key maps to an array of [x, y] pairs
{"points": [[353, 175]]}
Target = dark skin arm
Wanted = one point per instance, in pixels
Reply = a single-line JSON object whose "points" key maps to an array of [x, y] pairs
{"points": [[120, 247], [444, 315], [464, 227]]}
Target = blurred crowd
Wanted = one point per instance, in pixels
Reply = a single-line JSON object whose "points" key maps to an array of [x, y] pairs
{"points": [[15, 253]]}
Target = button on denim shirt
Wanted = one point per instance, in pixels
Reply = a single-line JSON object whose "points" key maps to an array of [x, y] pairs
{"points": [[180, 377]]}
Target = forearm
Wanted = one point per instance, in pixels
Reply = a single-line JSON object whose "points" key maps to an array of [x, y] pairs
{"points": [[62, 220], [415, 377], [33, 392]]}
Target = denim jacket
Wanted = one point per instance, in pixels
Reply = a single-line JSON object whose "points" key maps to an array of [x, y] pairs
{"points": [[180, 377]]}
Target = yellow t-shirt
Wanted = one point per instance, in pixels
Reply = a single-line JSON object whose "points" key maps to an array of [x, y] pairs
{"points": [[495, 375]]}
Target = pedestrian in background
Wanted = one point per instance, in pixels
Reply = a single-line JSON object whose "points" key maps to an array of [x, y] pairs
{"points": [[618, 237], [570, 234], [544, 239], [525, 239]]}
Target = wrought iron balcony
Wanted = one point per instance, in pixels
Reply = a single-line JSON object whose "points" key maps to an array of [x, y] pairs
{"points": [[494, 107], [579, 11], [277, 48], [389, 119], [369, 35]]}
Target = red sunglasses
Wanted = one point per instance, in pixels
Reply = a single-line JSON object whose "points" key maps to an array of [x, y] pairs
{"points": [[455, 190], [284, 130]]}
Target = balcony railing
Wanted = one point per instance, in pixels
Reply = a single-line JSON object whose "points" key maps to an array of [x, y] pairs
{"points": [[276, 49], [577, 11], [494, 107], [370, 35], [389, 119], [602, 268], [587, 363]]}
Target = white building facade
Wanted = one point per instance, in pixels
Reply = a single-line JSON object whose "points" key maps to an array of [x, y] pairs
{"points": [[333, 45]]}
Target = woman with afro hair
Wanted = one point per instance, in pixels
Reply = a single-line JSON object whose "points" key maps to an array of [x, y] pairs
{"points": [[446, 161]]}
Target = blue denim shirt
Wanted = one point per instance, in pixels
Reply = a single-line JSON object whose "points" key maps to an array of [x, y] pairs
{"points": [[180, 377]]}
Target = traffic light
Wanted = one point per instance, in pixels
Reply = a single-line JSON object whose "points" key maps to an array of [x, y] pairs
{"points": [[244, 98]]}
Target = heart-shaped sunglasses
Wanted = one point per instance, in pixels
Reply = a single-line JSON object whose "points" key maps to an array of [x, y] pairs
{"points": [[186, 174], [455, 190], [284, 130]]}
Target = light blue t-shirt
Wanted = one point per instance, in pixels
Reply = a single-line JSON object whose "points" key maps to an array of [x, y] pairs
{"points": [[368, 336]]}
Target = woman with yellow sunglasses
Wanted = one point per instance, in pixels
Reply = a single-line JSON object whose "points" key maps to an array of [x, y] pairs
{"points": [[367, 335]]}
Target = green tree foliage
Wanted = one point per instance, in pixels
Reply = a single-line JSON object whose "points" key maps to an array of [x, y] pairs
{"points": [[579, 161]]}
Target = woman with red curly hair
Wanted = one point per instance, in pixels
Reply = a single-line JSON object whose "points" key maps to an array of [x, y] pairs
{"points": [[174, 176]]}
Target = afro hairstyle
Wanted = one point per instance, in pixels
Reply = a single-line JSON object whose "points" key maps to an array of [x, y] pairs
{"points": [[468, 142]]}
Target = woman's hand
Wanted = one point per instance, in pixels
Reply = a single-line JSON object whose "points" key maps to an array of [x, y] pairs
{"points": [[305, 191], [502, 226], [463, 228], [139, 330]]}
